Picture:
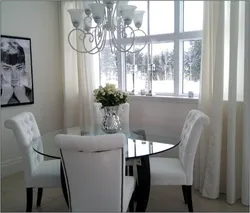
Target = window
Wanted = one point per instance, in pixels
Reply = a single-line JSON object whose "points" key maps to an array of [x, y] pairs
{"points": [[191, 66], [163, 72], [171, 60], [108, 67]]}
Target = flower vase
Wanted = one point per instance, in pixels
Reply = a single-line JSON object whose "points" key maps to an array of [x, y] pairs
{"points": [[111, 121]]}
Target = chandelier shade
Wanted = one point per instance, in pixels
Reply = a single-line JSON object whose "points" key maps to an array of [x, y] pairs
{"points": [[98, 11], [76, 16], [106, 21]]}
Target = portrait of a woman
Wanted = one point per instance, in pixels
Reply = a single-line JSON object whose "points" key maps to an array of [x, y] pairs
{"points": [[16, 72]]}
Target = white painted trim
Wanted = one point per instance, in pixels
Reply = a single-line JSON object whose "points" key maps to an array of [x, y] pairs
{"points": [[167, 99], [177, 23], [169, 37], [11, 166]]}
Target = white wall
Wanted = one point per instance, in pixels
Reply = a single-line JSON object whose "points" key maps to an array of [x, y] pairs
{"points": [[39, 21]]}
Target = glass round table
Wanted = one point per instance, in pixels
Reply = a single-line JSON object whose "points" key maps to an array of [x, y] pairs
{"points": [[137, 151]]}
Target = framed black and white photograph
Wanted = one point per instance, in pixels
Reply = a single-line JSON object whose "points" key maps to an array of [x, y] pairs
{"points": [[16, 71]]}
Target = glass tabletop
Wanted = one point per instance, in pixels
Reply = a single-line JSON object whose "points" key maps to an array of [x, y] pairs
{"points": [[137, 144]]}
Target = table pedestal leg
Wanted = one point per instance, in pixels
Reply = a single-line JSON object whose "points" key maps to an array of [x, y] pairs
{"points": [[143, 186], [64, 187]]}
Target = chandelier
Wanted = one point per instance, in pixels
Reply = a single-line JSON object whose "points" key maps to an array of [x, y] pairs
{"points": [[112, 19]]}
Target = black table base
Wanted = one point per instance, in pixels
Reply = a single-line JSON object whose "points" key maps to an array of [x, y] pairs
{"points": [[142, 189], [64, 186]]}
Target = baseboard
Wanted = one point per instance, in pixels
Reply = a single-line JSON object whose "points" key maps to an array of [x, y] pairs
{"points": [[11, 166]]}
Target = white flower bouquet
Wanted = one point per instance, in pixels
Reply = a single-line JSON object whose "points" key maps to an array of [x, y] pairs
{"points": [[110, 96]]}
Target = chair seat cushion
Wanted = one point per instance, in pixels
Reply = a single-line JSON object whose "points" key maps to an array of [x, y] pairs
{"points": [[167, 171], [129, 186], [46, 175]]}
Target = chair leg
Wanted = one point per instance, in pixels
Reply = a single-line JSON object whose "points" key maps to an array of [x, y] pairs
{"points": [[131, 206], [189, 198], [184, 191], [39, 197], [29, 197]]}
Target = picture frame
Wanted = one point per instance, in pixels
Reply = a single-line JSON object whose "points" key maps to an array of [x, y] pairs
{"points": [[16, 71]]}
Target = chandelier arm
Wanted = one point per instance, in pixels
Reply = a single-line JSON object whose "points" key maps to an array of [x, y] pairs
{"points": [[119, 29], [110, 42], [89, 17], [104, 34], [96, 37], [120, 48], [85, 49], [96, 48], [85, 23], [144, 43], [100, 41], [99, 49], [132, 32], [71, 43], [104, 40], [113, 16], [127, 50]]}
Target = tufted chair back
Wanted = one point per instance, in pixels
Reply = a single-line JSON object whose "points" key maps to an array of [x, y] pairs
{"points": [[190, 138], [123, 113], [25, 129], [94, 168]]}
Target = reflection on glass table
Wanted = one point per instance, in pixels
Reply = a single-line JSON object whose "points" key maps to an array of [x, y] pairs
{"points": [[136, 146]]}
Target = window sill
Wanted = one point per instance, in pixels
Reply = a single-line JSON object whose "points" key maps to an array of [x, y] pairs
{"points": [[170, 99]]}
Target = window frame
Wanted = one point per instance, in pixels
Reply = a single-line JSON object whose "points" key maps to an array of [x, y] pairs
{"points": [[177, 37]]}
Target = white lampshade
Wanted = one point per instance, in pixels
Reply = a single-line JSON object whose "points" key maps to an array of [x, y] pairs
{"points": [[128, 13], [76, 16], [120, 5], [87, 24], [108, 3], [138, 18], [98, 12], [87, 7]]}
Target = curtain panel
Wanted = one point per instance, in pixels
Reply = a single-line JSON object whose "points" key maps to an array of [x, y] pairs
{"points": [[80, 74], [222, 162]]}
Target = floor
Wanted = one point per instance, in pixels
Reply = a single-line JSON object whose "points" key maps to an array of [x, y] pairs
{"points": [[162, 199]]}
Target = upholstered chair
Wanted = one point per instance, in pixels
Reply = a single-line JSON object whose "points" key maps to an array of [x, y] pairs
{"points": [[123, 114], [94, 168], [179, 171], [37, 172]]}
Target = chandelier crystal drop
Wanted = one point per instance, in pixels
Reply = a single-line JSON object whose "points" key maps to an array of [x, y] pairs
{"points": [[112, 19]]}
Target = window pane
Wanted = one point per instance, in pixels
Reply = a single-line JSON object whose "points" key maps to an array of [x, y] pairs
{"points": [[191, 66], [163, 59], [193, 15], [141, 5], [161, 17], [140, 60], [108, 67]]}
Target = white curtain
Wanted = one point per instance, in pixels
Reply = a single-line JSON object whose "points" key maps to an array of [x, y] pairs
{"points": [[222, 162], [80, 75]]}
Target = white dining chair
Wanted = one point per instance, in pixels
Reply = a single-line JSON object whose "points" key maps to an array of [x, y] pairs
{"points": [[37, 172], [123, 113], [94, 167], [179, 171]]}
